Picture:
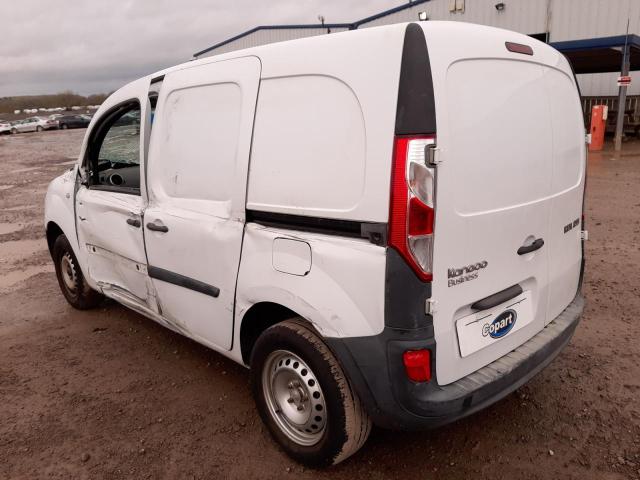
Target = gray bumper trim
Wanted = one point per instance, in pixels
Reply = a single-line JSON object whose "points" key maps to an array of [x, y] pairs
{"points": [[374, 367], [565, 323]]}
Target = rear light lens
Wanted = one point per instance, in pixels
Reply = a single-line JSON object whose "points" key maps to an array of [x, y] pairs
{"points": [[412, 209], [519, 48], [417, 365]]}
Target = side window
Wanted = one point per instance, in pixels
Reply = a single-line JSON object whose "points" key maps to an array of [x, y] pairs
{"points": [[153, 101], [114, 151]]}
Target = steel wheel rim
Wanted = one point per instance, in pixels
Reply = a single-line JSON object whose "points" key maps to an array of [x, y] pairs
{"points": [[294, 397], [68, 270]]}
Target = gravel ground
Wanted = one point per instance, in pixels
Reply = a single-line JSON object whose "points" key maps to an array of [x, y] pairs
{"points": [[109, 394]]}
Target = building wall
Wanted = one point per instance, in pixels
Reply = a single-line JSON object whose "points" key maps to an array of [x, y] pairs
{"points": [[526, 16], [563, 19], [577, 19]]}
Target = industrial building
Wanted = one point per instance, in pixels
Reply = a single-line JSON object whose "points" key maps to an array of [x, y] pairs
{"points": [[559, 22]]}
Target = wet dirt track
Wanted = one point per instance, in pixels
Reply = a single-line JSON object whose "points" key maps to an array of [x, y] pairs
{"points": [[108, 394]]}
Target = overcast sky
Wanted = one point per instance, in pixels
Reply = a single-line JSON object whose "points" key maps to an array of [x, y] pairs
{"points": [[94, 46]]}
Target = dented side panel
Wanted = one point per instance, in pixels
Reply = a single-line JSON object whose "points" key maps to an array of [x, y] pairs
{"points": [[342, 294], [197, 177], [114, 250]]}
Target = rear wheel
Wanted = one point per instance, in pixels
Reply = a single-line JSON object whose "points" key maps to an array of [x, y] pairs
{"points": [[14, 131], [64, 126], [70, 278], [304, 397], [38, 128]]}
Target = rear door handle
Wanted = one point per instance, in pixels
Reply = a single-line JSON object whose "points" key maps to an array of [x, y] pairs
{"points": [[134, 222], [157, 227], [536, 245], [497, 298]]}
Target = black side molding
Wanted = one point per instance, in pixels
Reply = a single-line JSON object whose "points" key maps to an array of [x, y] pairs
{"points": [[497, 298], [416, 113], [376, 233], [182, 281]]}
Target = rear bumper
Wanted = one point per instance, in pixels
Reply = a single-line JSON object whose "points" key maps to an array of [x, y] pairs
{"points": [[374, 367]]}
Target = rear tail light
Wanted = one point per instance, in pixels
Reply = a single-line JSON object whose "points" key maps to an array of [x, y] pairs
{"points": [[519, 48], [412, 208], [417, 365]]}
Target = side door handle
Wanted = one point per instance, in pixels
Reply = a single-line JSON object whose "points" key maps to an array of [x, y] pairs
{"points": [[134, 222], [536, 245], [157, 227]]}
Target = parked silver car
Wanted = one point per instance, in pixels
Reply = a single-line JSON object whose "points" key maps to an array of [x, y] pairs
{"points": [[33, 124], [5, 127]]}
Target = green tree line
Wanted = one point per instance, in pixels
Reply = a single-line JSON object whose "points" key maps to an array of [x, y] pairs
{"points": [[63, 99]]}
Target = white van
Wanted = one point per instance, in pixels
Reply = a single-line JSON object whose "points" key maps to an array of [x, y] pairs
{"points": [[385, 224]]}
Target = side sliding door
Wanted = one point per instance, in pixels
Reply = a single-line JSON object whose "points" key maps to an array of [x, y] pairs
{"points": [[196, 180]]}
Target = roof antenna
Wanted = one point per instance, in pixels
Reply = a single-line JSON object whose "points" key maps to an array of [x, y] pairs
{"points": [[321, 18]]}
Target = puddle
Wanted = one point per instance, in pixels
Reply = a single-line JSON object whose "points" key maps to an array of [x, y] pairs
{"points": [[9, 227], [9, 279]]}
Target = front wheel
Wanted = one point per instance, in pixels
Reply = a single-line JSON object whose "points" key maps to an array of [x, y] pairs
{"points": [[14, 131], [304, 397], [63, 126], [70, 278], [38, 128]]}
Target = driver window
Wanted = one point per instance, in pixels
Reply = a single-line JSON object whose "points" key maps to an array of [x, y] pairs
{"points": [[115, 151]]}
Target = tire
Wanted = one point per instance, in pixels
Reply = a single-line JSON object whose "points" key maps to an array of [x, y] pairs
{"points": [[14, 131], [304, 398], [64, 126], [72, 283], [38, 128]]}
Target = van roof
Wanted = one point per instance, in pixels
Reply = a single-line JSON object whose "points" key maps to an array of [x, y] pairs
{"points": [[306, 43], [272, 53]]}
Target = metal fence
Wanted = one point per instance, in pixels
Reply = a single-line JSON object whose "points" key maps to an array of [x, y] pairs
{"points": [[632, 105]]}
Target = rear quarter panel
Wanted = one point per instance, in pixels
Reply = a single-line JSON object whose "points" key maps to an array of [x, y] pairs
{"points": [[342, 295]]}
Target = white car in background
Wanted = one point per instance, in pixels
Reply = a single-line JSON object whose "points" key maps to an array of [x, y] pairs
{"points": [[34, 124], [5, 127]]}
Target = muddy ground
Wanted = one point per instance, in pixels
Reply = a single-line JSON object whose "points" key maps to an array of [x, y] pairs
{"points": [[109, 394]]}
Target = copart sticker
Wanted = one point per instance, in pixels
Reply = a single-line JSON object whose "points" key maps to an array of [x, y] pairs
{"points": [[465, 274], [501, 325]]}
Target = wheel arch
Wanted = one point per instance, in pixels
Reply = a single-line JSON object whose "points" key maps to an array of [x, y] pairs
{"points": [[53, 231], [259, 317]]}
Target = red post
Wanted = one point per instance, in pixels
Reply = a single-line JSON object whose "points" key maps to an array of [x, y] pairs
{"points": [[598, 125]]}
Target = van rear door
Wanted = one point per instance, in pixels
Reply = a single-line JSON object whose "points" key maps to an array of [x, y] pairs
{"points": [[504, 136]]}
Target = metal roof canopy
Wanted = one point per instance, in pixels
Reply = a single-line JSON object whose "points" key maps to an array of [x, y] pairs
{"points": [[601, 55], [328, 26], [607, 54]]}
